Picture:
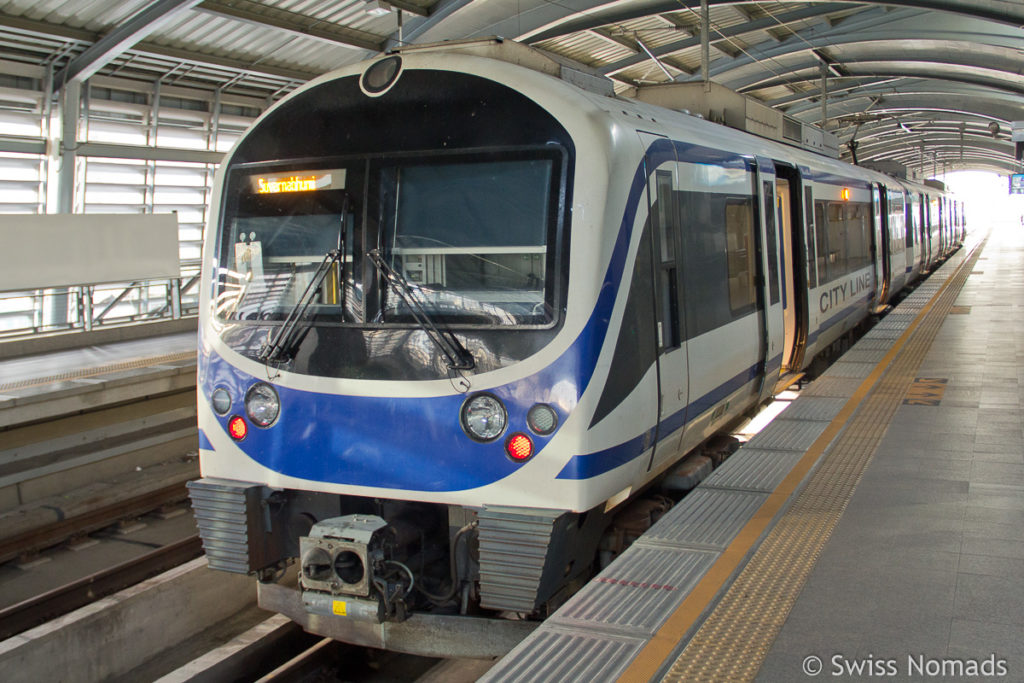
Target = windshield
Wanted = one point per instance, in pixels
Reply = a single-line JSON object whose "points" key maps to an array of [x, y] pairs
{"points": [[473, 235]]}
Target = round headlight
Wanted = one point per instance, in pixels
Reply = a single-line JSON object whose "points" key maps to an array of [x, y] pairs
{"points": [[483, 417], [542, 419], [262, 405], [221, 401]]}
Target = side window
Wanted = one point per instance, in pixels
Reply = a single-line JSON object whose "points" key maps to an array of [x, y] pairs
{"points": [[908, 219], [668, 297], [773, 243], [666, 214], [739, 234], [821, 241], [835, 228], [858, 239], [719, 254], [812, 264]]}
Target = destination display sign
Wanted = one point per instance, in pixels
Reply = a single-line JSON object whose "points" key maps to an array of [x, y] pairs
{"points": [[305, 181]]}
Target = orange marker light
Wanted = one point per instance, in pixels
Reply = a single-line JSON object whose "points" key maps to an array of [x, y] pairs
{"points": [[237, 428], [519, 447], [845, 194]]}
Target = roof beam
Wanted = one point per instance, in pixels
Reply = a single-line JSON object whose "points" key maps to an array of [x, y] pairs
{"points": [[310, 27], [618, 38], [121, 39], [873, 26], [410, 8], [1009, 12], [693, 41], [48, 30], [412, 30], [834, 67]]}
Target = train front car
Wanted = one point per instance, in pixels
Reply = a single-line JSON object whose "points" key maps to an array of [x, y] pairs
{"points": [[391, 352]]}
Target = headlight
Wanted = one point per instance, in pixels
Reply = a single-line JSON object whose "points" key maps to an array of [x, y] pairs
{"points": [[483, 417], [221, 401], [262, 405]]}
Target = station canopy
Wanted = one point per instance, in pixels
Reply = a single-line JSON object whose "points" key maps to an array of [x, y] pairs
{"points": [[932, 84]]}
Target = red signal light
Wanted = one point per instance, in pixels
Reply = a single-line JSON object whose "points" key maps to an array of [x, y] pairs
{"points": [[237, 428], [519, 447]]}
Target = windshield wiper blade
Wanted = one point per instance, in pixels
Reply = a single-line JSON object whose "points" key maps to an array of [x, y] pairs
{"points": [[456, 355], [283, 343]]}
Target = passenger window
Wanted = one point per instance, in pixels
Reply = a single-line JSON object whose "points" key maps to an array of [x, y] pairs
{"points": [[821, 240], [739, 224], [666, 221], [812, 265], [773, 248]]}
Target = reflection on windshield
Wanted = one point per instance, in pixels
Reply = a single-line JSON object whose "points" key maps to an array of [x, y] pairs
{"points": [[472, 236]]}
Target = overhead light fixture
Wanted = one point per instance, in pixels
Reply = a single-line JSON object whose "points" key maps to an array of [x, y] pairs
{"points": [[377, 8]]}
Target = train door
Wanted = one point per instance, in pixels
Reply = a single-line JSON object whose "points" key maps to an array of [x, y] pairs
{"points": [[881, 247], [793, 241], [773, 315], [666, 257], [923, 233]]}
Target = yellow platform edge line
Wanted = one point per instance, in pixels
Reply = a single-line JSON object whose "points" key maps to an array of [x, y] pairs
{"points": [[653, 655]]}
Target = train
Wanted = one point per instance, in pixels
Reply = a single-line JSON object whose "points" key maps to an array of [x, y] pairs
{"points": [[463, 305]]}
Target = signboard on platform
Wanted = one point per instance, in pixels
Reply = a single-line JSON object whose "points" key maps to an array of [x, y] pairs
{"points": [[60, 250], [1017, 183]]}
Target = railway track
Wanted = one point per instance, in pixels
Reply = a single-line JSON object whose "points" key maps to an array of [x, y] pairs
{"points": [[58, 601]]}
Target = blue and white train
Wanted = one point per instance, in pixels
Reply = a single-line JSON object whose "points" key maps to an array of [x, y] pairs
{"points": [[458, 311]]}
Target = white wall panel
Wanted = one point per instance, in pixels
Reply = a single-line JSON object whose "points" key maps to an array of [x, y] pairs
{"points": [[42, 251]]}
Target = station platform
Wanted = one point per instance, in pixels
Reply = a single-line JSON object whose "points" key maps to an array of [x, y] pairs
{"points": [[45, 385], [872, 530]]}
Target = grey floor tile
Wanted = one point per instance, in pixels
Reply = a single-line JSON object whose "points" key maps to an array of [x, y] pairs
{"points": [[991, 565], [996, 496], [981, 639], [989, 598], [997, 531], [993, 547], [982, 513]]}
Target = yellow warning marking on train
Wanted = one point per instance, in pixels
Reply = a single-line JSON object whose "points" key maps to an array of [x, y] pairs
{"points": [[339, 607], [926, 391]]}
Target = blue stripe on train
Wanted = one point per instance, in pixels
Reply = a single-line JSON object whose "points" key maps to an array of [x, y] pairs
{"points": [[593, 464]]}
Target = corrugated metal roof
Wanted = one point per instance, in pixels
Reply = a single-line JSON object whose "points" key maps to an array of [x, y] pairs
{"points": [[264, 48]]}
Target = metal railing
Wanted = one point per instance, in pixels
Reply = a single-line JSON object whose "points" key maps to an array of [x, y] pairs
{"points": [[86, 307]]}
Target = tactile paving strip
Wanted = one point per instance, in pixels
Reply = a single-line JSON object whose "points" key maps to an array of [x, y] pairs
{"points": [[847, 368], [753, 469], [707, 517], [100, 370], [569, 657], [638, 592], [733, 641], [787, 435], [822, 408]]}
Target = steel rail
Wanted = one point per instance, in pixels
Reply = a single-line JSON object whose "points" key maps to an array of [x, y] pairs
{"points": [[35, 539], [28, 613]]}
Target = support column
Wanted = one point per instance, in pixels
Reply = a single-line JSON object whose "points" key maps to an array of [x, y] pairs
{"points": [[56, 301], [71, 102], [705, 44], [823, 67]]}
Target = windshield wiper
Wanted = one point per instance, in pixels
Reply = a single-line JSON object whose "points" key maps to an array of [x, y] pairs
{"points": [[284, 343], [456, 355]]}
